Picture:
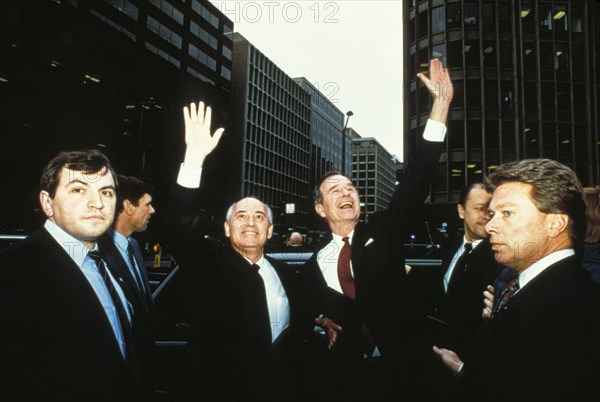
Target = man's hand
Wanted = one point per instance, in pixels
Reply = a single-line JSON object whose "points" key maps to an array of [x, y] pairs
{"points": [[488, 301], [198, 139], [440, 87], [331, 327], [450, 360]]}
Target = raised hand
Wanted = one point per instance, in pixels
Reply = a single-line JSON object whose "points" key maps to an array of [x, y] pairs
{"points": [[198, 138], [440, 87]]}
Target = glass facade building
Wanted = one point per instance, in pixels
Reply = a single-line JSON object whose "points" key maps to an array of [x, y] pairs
{"points": [[526, 78], [271, 116], [110, 74], [374, 172]]}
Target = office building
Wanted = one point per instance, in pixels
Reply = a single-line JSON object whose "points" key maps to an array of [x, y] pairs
{"points": [[110, 74], [526, 78], [270, 145], [374, 173]]}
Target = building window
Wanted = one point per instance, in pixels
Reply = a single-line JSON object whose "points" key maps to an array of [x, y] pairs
{"points": [[164, 32], [454, 16], [202, 57], [168, 9], [205, 13], [125, 7], [225, 73], [203, 35], [163, 54], [471, 15], [438, 18], [439, 52], [227, 52], [113, 24]]}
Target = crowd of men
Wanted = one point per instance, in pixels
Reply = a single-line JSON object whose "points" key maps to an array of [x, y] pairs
{"points": [[76, 305]]}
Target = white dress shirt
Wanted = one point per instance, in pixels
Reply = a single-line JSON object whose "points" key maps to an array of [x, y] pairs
{"points": [[327, 258]]}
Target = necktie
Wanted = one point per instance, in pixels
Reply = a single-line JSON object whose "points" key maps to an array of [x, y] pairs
{"points": [[507, 293], [461, 264], [130, 352], [136, 269], [343, 270]]}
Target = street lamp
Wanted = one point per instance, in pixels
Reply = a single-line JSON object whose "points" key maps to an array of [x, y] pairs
{"points": [[348, 115]]}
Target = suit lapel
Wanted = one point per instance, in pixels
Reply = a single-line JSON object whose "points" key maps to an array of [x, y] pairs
{"points": [[359, 239]]}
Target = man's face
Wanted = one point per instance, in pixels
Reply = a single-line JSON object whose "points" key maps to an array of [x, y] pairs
{"points": [[83, 205], [519, 231], [249, 228], [475, 213], [141, 213], [340, 200]]}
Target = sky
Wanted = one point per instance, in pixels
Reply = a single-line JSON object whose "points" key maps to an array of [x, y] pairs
{"points": [[351, 50]]}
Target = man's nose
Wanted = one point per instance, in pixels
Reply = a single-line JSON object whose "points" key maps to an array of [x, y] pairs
{"points": [[95, 200], [491, 226]]}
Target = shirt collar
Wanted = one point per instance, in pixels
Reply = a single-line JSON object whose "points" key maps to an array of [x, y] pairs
{"points": [[338, 239], [536, 268], [119, 239], [73, 247], [473, 243]]}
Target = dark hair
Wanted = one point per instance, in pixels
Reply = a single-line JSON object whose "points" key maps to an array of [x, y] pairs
{"points": [[317, 194], [88, 161], [592, 199], [464, 194], [556, 189], [132, 189]]}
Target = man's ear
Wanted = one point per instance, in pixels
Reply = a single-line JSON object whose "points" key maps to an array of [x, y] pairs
{"points": [[461, 211], [320, 210], [270, 232], [128, 207], [226, 226], [559, 223], [46, 203]]}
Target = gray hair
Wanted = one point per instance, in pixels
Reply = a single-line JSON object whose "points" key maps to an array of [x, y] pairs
{"points": [[232, 207]]}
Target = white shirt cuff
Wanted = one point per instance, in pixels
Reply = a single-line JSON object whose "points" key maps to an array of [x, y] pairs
{"points": [[434, 131], [189, 178]]}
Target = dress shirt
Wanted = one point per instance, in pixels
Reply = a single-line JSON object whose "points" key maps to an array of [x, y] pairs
{"points": [[277, 301], [78, 252], [122, 244], [457, 255], [328, 257], [539, 266]]}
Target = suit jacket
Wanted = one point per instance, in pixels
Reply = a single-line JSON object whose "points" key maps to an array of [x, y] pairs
{"points": [[223, 302], [383, 301], [143, 303], [56, 341], [546, 345], [462, 304]]}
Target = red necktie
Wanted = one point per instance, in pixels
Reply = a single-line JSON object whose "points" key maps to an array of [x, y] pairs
{"points": [[344, 274]]}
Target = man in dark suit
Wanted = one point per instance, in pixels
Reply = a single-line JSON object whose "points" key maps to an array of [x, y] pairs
{"points": [[242, 307], [124, 258], [358, 274], [542, 342], [64, 322], [468, 269]]}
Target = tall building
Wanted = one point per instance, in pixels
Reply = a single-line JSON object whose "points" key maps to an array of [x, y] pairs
{"points": [[271, 126], [526, 78], [110, 74], [374, 173], [326, 125]]}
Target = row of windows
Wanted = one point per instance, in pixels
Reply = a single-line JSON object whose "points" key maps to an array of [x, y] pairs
{"points": [[205, 13], [171, 59], [125, 7], [113, 24], [199, 75], [169, 10], [266, 70], [203, 35], [164, 32], [555, 18], [321, 103], [283, 104], [202, 57], [280, 87]]}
